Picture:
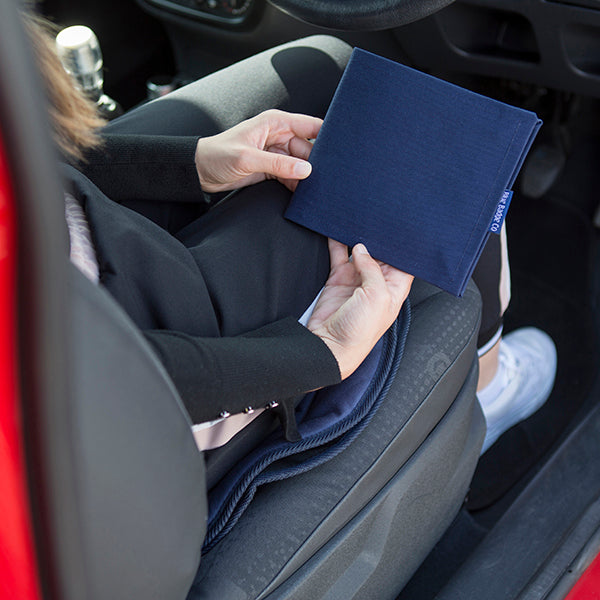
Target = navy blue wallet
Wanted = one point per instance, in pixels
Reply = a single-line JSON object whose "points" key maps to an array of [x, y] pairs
{"points": [[416, 168]]}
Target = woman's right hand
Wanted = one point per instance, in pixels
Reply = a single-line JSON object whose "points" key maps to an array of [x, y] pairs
{"points": [[272, 145]]}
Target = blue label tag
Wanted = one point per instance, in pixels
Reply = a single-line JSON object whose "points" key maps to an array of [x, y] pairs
{"points": [[501, 210]]}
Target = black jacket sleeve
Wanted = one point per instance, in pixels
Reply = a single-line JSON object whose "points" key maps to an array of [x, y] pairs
{"points": [[212, 374], [149, 167], [279, 361]]}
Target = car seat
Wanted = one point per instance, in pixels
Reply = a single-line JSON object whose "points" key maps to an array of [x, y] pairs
{"points": [[355, 527]]}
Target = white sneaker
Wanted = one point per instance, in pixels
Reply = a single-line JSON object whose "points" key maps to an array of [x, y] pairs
{"points": [[525, 377]]}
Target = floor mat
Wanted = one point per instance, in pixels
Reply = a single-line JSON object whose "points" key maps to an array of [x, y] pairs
{"points": [[445, 559], [553, 248]]}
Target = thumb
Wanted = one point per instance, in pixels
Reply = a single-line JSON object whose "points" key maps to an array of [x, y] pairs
{"points": [[367, 267], [278, 165]]}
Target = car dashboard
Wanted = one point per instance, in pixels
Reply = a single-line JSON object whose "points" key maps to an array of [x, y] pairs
{"points": [[230, 13], [552, 43]]}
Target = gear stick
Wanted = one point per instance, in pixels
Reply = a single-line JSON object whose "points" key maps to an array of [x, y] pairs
{"points": [[80, 54]]}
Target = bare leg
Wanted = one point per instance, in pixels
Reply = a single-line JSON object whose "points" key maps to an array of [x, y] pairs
{"points": [[488, 365]]}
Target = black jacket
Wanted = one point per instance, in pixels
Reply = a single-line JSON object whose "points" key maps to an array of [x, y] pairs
{"points": [[155, 279]]}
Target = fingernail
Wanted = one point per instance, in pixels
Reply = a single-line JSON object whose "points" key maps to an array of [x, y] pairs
{"points": [[361, 249], [302, 169]]}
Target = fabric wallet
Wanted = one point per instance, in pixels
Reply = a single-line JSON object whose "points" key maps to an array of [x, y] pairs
{"points": [[414, 167]]}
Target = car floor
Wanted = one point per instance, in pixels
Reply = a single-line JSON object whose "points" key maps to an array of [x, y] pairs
{"points": [[554, 251]]}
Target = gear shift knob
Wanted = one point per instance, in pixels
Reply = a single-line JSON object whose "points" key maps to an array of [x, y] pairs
{"points": [[80, 54]]}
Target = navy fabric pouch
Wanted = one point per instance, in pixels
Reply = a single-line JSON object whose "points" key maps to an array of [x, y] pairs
{"points": [[328, 420], [415, 168]]}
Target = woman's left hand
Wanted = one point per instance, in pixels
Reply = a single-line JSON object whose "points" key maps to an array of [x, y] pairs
{"points": [[272, 145], [359, 302]]}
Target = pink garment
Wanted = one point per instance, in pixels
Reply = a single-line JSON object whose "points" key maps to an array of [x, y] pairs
{"points": [[83, 255]]}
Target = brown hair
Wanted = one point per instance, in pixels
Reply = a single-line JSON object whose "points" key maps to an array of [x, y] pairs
{"points": [[73, 116]]}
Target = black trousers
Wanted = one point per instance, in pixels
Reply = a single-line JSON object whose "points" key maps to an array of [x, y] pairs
{"points": [[260, 267]]}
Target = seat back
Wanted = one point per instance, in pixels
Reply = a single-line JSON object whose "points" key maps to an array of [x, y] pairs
{"points": [[141, 481]]}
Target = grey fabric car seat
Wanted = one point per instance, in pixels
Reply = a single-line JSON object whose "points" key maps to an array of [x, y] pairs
{"points": [[355, 527], [359, 525], [140, 476]]}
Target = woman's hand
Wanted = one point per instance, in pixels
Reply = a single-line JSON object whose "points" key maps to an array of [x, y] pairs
{"points": [[359, 302], [272, 145]]}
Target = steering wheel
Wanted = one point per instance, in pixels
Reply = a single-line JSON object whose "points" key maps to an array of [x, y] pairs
{"points": [[357, 15]]}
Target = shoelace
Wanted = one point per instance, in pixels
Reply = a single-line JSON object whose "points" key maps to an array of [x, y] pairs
{"points": [[509, 364]]}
